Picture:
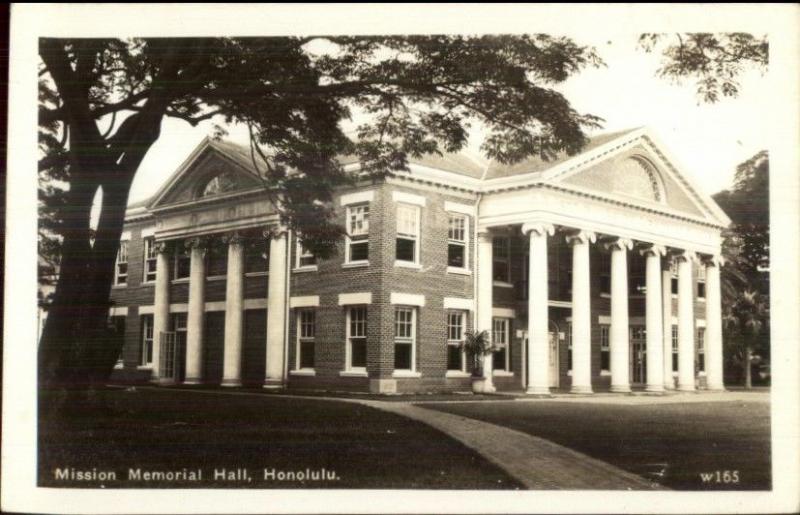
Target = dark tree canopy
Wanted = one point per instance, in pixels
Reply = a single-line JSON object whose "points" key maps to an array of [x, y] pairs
{"points": [[713, 61]]}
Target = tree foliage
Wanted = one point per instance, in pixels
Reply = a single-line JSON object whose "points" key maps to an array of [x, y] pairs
{"points": [[102, 102], [713, 61]]}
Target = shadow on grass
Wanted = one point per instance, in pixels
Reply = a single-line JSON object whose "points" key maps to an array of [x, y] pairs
{"points": [[180, 433]]}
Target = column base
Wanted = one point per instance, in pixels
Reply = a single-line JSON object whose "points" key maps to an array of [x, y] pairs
{"points": [[715, 388], [686, 388], [654, 388], [231, 382], [581, 389], [538, 390], [192, 380], [273, 384], [620, 388]]}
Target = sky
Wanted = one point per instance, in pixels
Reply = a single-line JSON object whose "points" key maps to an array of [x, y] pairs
{"points": [[708, 140]]}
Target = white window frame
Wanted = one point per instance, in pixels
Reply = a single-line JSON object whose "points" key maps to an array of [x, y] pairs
{"points": [[506, 259], [456, 342], [605, 346], [465, 242], [349, 342], [300, 253], [122, 252], [150, 257], [147, 327], [361, 237], [674, 344], [403, 340], [505, 341], [701, 350], [416, 238], [180, 252], [304, 339]]}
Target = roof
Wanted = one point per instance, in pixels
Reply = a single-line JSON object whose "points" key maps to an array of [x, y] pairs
{"points": [[462, 163]]}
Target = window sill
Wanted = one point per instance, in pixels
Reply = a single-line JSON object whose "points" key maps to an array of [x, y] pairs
{"points": [[605, 295], [459, 271], [216, 278], [353, 373], [701, 299], [302, 269], [406, 373], [502, 284], [143, 367], [118, 286], [457, 373], [256, 274], [502, 373], [605, 373], [303, 372], [355, 264], [407, 264], [701, 374], [181, 280]]}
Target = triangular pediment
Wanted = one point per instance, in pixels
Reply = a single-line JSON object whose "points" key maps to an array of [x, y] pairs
{"points": [[636, 168], [213, 170]]}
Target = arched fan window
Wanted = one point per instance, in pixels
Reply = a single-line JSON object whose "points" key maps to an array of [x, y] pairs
{"points": [[638, 178], [221, 183]]}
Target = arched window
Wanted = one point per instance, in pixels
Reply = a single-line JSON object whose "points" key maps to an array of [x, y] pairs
{"points": [[637, 178], [219, 183]]}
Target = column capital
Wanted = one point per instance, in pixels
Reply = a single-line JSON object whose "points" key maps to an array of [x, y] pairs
{"points": [[617, 243], [161, 247], [233, 238], [683, 255], [200, 243], [651, 249], [539, 228], [485, 235], [713, 260], [580, 236]]}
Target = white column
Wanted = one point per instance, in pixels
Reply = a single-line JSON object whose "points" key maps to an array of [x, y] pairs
{"points": [[194, 319], [713, 325], [666, 322], [485, 299], [619, 332], [685, 323], [653, 314], [581, 312], [161, 308], [538, 353], [276, 309], [234, 295]]}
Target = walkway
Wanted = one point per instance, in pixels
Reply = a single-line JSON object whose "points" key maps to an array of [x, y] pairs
{"points": [[535, 462]]}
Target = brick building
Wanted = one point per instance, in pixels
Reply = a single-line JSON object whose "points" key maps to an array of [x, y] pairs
{"points": [[593, 272]]}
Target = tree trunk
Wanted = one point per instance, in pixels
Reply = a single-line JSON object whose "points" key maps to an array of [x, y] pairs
{"points": [[748, 358]]}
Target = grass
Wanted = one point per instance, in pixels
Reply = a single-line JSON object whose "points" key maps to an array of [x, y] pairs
{"points": [[170, 430], [680, 441]]}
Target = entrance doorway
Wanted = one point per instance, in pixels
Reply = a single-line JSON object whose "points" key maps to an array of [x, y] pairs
{"points": [[638, 354]]}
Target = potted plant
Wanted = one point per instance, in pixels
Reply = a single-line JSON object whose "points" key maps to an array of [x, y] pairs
{"points": [[477, 346]]}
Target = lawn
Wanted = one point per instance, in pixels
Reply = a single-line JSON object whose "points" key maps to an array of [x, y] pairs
{"points": [[679, 441], [164, 431]]}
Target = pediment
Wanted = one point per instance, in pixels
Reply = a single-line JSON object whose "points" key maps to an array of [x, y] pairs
{"points": [[207, 174], [637, 169]]}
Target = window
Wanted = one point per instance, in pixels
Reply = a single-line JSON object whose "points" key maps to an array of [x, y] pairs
{"points": [[500, 338], [179, 322], [605, 273], [457, 234], [222, 183], [357, 338], [256, 255], [407, 242], [182, 260], [357, 239], [306, 332], [455, 336], [305, 258], [501, 266], [217, 259], [569, 347], [673, 268], [701, 349], [701, 290], [146, 351], [121, 269], [674, 348], [636, 276], [404, 337], [150, 259], [605, 349]]}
